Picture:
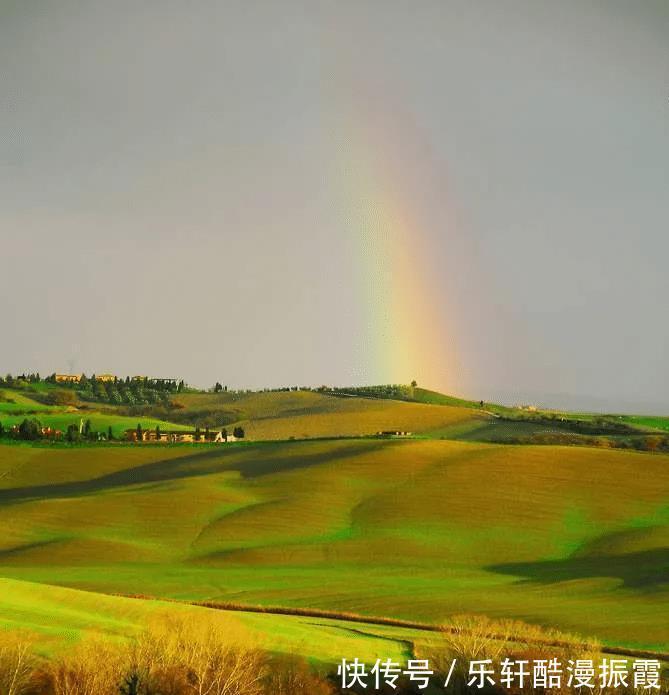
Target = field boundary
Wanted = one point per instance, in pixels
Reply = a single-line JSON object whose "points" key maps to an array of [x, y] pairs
{"points": [[397, 622]]}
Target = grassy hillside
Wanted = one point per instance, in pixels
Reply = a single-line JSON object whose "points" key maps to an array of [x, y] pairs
{"points": [[302, 414], [647, 421], [419, 529], [13, 401], [314, 414], [25, 466], [310, 414], [58, 617], [264, 415], [421, 395]]}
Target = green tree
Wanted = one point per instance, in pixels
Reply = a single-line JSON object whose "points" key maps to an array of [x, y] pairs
{"points": [[110, 434], [197, 434], [72, 433], [157, 433], [29, 429], [139, 432]]}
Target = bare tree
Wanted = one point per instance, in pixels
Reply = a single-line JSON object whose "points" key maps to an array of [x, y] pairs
{"points": [[17, 664]]}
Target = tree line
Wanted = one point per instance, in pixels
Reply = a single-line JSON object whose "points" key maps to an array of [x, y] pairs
{"points": [[31, 429]]}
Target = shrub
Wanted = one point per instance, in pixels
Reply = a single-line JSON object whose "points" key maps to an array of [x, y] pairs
{"points": [[93, 667], [61, 397], [471, 638], [187, 657]]}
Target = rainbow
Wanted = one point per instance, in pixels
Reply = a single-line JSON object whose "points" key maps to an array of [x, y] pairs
{"points": [[407, 333]]}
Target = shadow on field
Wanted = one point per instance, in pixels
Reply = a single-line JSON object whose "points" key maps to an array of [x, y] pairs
{"points": [[251, 462], [645, 570], [17, 551]]}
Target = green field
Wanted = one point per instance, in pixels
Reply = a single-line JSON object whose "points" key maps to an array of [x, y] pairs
{"points": [[59, 617], [100, 422], [574, 538], [647, 421]]}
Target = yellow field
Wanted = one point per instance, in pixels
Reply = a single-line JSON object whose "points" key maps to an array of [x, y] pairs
{"points": [[307, 414]]}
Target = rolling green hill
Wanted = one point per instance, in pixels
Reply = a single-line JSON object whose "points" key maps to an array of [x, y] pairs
{"points": [[313, 414], [310, 414], [458, 519], [420, 529], [647, 421], [58, 617], [264, 415], [281, 415], [13, 401]]}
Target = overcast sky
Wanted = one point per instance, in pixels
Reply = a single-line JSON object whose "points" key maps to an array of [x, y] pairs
{"points": [[172, 203]]}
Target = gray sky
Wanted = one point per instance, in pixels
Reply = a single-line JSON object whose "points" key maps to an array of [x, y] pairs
{"points": [[180, 189]]}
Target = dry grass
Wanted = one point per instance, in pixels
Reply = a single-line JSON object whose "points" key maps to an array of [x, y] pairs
{"points": [[93, 667], [17, 664], [470, 638], [172, 657], [183, 656]]}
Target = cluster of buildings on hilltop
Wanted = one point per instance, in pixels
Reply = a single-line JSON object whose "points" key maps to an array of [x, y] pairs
{"points": [[76, 378], [68, 378]]}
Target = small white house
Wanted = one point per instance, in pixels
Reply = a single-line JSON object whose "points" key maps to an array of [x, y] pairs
{"points": [[229, 438]]}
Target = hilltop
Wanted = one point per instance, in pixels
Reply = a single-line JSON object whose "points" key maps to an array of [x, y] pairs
{"points": [[304, 413]]}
